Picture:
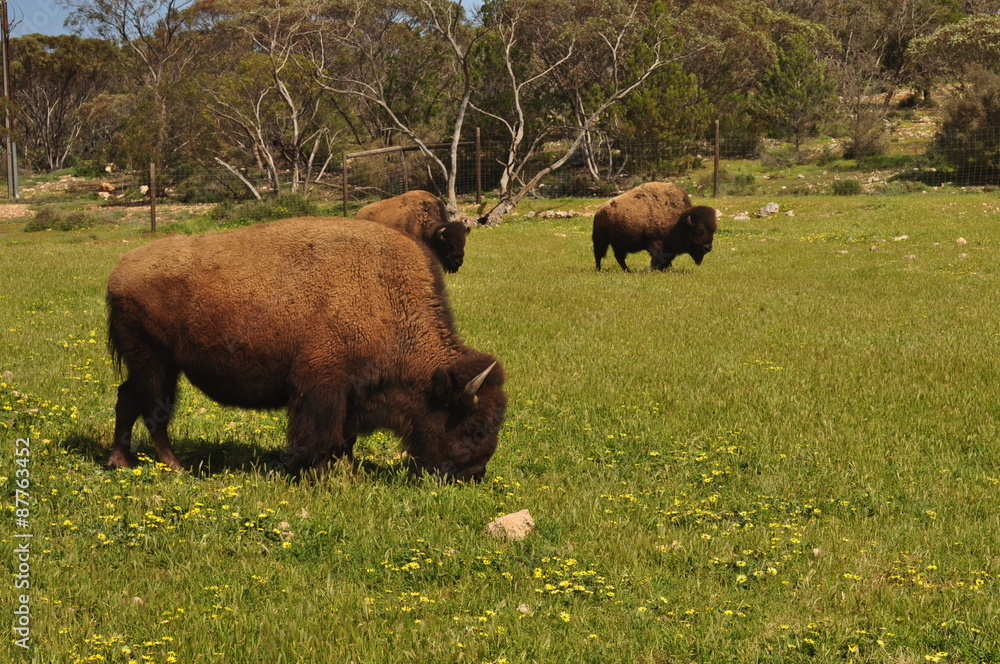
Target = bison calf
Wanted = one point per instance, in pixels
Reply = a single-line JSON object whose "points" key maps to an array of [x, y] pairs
{"points": [[656, 217], [422, 216], [344, 323]]}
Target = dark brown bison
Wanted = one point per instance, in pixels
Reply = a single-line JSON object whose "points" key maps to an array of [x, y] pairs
{"points": [[422, 215], [344, 323], [656, 217]]}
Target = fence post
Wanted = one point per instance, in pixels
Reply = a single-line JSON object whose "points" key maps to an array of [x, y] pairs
{"points": [[152, 197], [717, 151], [479, 170], [402, 161], [343, 173]]}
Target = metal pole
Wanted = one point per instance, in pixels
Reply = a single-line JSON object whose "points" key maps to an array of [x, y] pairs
{"points": [[152, 197], [8, 124], [717, 151]]}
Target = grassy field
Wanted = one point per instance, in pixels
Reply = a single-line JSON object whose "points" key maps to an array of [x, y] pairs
{"points": [[787, 454]]}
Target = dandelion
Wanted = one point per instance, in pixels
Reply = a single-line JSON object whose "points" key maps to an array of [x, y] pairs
{"points": [[564, 616]]}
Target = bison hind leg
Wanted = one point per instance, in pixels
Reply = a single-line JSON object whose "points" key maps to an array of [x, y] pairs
{"points": [[154, 401], [600, 251]]}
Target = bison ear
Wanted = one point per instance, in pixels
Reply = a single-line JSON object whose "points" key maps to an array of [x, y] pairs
{"points": [[442, 385]]}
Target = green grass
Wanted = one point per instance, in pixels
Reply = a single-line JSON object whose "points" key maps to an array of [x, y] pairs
{"points": [[787, 454]]}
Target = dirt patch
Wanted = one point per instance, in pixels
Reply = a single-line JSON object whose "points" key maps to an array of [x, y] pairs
{"points": [[16, 211]]}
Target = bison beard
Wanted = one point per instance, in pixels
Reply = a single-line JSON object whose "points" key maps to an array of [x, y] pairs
{"points": [[343, 322]]}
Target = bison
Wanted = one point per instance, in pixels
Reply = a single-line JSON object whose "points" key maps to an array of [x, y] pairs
{"points": [[344, 323], [422, 215], [656, 217]]}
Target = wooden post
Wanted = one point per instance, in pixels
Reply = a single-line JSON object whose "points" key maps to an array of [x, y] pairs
{"points": [[717, 152], [152, 197], [479, 170], [344, 181], [402, 162]]}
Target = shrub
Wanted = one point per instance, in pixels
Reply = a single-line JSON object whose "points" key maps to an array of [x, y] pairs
{"points": [[268, 209], [969, 140], [849, 187], [50, 218], [90, 168], [781, 156], [201, 190]]}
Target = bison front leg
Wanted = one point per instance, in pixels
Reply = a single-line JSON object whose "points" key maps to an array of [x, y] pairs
{"points": [[659, 259], [316, 431]]}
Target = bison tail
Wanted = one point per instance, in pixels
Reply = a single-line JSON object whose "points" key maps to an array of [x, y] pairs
{"points": [[116, 356]]}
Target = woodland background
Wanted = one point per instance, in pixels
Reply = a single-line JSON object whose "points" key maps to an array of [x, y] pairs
{"points": [[610, 91]]}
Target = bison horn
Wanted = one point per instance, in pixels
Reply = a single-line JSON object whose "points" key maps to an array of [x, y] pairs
{"points": [[469, 397]]}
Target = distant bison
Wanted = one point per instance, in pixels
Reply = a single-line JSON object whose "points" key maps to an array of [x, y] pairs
{"points": [[344, 323], [422, 215], [656, 217]]}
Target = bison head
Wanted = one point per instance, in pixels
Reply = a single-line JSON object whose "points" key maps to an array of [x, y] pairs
{"points": [[458, 433], [449, 244], [701, 225]]}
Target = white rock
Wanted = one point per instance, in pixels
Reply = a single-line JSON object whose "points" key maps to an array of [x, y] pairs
{"points": [[842, 251], [963, 255], [901, 238], [514, 526], [961, 240], [769, 209]]}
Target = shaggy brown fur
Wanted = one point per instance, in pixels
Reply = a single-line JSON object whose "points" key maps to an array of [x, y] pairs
{"points": [[656, 217], [343, 322], [422, 215]]}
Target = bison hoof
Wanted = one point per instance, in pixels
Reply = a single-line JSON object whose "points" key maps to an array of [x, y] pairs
{"points": [[119, 459]]}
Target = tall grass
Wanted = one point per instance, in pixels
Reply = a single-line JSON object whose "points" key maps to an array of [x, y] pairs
{"points": [[787, 454]]}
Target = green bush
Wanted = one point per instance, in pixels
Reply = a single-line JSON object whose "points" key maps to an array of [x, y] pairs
{"points": [[780, 156], [969, 140], [849, 187], [50, 218], [90, 168], [268, 209], [200, 190]]}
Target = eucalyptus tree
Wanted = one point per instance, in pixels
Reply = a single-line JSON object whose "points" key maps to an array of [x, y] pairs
{"points": [[410, 61], [54, 79], [160, 47], [262, 95], [582, 58]]}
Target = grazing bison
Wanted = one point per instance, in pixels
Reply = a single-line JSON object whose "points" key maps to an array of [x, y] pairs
{"points": [[422, 216], [342, 322], [656, 217]]}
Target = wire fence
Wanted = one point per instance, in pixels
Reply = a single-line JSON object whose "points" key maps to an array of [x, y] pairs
{"points": [[734, 164]]}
